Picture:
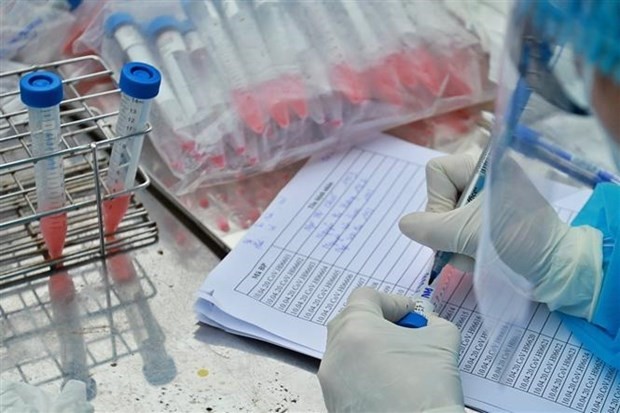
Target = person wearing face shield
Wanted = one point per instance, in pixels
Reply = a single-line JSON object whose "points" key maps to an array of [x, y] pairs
{"points": [[562, 68]]}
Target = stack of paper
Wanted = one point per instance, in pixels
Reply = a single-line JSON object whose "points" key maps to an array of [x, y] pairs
{"points": [[333, 228]]}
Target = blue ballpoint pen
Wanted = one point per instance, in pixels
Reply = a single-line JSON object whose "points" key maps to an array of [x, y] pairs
{"points": [[531, 143], [417, 317], [469, 194]]}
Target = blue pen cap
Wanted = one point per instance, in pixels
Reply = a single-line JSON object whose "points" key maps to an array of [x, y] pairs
{"points": [[161, 23], [413, 320], [41, 89], [140, 80], [116, 20]]}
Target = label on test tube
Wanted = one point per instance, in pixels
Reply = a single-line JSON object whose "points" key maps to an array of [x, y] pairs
{"points": [[42, 93], [139, 84]]}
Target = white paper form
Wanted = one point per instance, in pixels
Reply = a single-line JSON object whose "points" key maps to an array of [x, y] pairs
{"points": [[334, 228], [550, 371]]}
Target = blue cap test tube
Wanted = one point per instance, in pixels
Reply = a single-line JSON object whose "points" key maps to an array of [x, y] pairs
{"points": [[165, 31], [42, 93], [139, 84], [125, 30]]}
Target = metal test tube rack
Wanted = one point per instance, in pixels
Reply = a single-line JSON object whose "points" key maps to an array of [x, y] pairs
{"points": [[87, 136]]}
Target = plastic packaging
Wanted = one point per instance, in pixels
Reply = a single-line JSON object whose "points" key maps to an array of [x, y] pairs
{"points": [[139, 84], [261, 84], [34, 31], [42, 93], [10, 103]]}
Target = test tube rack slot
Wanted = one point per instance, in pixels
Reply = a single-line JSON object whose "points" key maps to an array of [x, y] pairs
{"points": [[87, 137]]}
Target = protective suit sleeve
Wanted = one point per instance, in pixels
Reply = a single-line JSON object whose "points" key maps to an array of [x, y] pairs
{"points": [[602, 334]]}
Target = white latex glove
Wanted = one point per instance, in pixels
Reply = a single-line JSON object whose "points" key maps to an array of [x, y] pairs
{"points": [[374, 365], [449, 229], [25, 398], [563, 263]]}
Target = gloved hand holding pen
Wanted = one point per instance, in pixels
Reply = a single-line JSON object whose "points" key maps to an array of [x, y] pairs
{"points": [[373, 365], [446, 179], [562, 263]]}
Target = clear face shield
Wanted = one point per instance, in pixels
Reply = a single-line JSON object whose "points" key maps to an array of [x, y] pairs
{"points": [[556, 131]]}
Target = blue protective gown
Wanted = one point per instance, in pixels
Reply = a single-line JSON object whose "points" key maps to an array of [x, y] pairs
{"points": [[602, 335]]}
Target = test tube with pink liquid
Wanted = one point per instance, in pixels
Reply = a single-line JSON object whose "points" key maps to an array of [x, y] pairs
{"points": [[42, 93], [139, 84]]}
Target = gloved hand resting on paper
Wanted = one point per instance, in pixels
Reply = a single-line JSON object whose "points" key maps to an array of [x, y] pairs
{"points": [[374, 365], [563, 263]]}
